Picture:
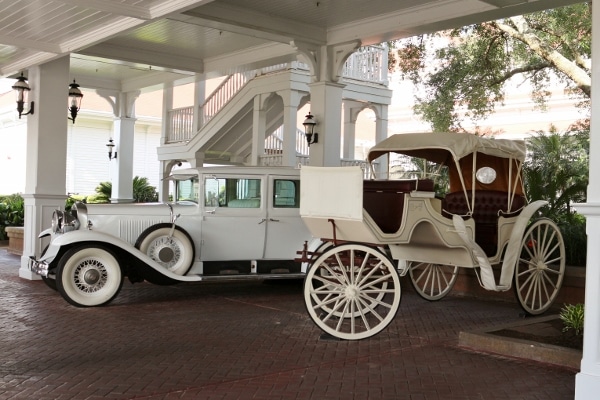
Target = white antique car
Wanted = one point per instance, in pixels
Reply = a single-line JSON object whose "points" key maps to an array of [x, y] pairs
{"points": [[225, 223]]}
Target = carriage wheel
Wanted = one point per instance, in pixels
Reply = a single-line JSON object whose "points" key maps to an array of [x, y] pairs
{"points": [[432, 281], [352, 291], [541, 266]]}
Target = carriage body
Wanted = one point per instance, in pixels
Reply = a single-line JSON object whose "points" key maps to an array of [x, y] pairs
{"points": [[481, 221]]}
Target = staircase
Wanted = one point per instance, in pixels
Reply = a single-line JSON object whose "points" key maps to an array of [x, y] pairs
{"points": [[225, 119]]}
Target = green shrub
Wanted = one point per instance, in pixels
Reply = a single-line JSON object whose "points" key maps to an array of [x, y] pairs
{"points": [[575, 239], [12, 212], [143, 192], [572, 317]]}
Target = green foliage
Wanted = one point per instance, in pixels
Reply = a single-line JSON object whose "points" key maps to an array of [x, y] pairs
{"points": [[143, 192], [572, 317], [556, 170], [473, 66], [12, 212]]}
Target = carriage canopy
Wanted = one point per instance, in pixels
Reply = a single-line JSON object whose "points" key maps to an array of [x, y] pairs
{"points": [[464, 154], [437, 147]]}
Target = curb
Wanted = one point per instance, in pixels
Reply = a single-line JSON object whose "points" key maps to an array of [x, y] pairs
{"points": [[486, 341]]}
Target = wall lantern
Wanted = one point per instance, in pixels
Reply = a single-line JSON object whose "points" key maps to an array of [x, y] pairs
{"points": [[309, 129], [75, 97], [111, 145], [21, 87]]}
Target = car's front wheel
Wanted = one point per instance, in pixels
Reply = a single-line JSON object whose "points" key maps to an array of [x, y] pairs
{"points": [[170, 247], [89, 276]]}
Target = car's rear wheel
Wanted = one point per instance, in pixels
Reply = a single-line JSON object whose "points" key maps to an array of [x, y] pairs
{"points": [[89, 276]]}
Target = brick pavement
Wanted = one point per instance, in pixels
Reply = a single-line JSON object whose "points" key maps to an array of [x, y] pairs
{"points": [[248, 340]]}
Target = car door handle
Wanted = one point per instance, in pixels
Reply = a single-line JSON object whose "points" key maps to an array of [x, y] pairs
{"points": [[273, 220], [262, 221], [210, 211]]}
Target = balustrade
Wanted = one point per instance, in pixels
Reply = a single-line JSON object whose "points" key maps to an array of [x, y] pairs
{"points": [[368, 64]]}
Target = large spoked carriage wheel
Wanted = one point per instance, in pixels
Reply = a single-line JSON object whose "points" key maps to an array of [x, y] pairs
{"points": [[88, 276], [352, 291], [432, 281], [541, 266], [175, 253]]}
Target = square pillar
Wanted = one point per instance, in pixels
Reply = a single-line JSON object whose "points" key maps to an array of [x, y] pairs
{"points": [[45, 181], [326, 106]]}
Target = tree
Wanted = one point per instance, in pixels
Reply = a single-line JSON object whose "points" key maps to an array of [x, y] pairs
{"points": [[473, 65]]}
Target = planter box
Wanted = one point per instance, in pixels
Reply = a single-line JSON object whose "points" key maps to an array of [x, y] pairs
{"points": [[15, 239]]}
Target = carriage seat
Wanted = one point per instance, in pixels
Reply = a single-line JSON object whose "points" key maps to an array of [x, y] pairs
{"points": [[489, 205], [384, 200]]}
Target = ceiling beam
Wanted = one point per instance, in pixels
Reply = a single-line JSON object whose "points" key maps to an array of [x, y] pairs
{"points": [[160, 9], [174, 62], [247, 22]]}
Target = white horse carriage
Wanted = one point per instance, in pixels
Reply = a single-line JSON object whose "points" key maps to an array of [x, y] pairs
{"points": [[376, 231]]}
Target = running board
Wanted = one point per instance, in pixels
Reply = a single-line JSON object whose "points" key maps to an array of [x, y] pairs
{"points": [[239, 277]]}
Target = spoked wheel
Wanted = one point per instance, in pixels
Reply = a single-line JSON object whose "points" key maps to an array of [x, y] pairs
{"points": [[352, 291], [432, 281], [171, 248], [541, 266], [88, 276]]}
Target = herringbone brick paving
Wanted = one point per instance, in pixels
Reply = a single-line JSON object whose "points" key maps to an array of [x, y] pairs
{"points": [[248, 340]]}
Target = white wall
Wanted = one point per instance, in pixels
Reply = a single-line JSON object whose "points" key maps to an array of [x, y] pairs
{"points": [[87, 158]]}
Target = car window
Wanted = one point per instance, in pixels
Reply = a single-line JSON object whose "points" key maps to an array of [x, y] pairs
{"points": [[187, 190], [286, 193], [232, 192]]}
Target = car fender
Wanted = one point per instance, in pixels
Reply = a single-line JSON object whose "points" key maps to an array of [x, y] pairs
{"points": [[45, 232], [88, 236]]}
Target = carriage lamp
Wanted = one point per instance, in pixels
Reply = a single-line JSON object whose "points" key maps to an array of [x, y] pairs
{"points": [[21, 87], [75, 97], [309, 129], [111, 145]]}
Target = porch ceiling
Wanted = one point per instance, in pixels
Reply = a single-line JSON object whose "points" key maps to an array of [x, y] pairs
{"points": [[135, 44]]}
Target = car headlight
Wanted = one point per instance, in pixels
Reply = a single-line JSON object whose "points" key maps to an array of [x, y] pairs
{"points": [[64, 221]]}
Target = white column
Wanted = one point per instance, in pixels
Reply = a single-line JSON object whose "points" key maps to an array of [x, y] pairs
{"points": [[199, 99], [587, 381], [45, 186], [381, 133], [259, 126], [122, 168], [326, 106], [291, 101], [350, 115], [167, 104]]}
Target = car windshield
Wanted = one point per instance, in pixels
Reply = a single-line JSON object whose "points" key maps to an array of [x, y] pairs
{"points": [[187, 190]]}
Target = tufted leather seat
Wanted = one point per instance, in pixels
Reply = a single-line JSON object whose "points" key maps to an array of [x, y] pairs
{"points": [[489, 204]]}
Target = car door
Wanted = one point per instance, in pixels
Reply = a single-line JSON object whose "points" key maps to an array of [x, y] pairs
{"points": [[234, 217], [286, 232]]}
